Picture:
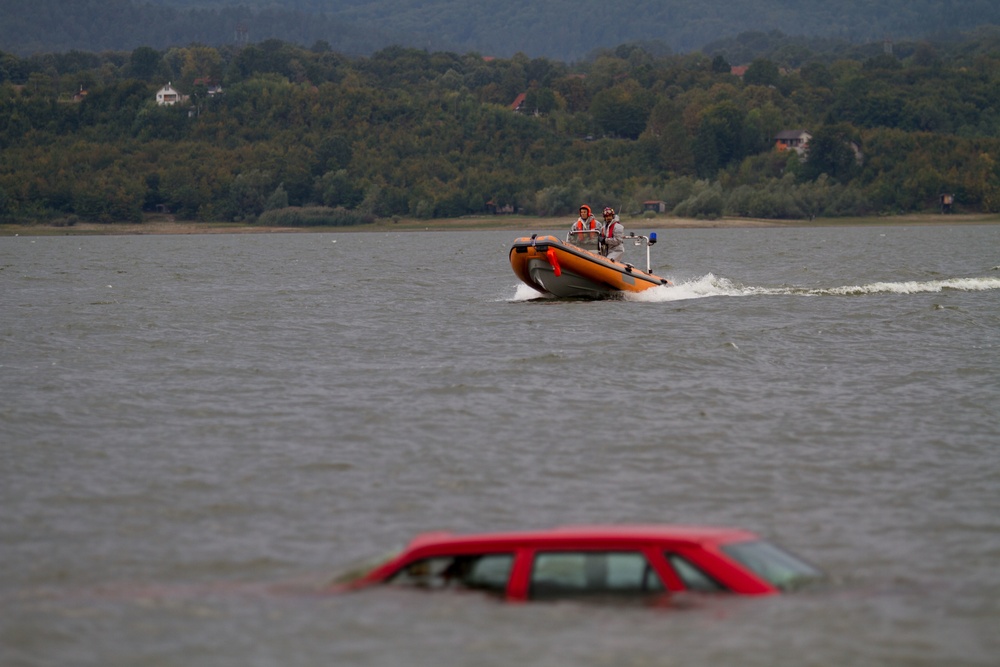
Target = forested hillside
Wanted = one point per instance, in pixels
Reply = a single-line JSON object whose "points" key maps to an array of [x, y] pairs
{"points": [[56, 26], [565, 30], [303, 136]]}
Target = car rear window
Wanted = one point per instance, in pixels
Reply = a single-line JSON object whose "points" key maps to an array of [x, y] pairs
{"points": [[772, 563], [481, 571], [557, 574]]}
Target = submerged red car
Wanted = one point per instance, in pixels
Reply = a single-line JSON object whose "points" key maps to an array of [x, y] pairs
{"points": [[572, 561]]}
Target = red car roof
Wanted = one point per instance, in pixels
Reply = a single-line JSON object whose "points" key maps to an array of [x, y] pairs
{"points": [[590, 533]]}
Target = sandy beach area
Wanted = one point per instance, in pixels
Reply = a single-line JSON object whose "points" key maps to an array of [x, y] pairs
{"points": [[168, 225]]}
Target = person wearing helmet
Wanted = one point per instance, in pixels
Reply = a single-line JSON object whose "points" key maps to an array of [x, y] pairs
{"points": [[612, 239], [586, 231]]}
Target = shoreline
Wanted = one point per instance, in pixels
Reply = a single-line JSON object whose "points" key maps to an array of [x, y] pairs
{"points": [[166, 225]]}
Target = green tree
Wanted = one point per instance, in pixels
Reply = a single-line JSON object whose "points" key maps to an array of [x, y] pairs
{"points": [[622, 111], [248, 194], [720, 138], [6, 205], [762, 72], [831, 152], [669, 145], [277, 199], [335, 188], [144, 63]]}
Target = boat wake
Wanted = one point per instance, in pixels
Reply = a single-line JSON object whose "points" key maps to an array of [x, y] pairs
{"points": [[711, 285]]}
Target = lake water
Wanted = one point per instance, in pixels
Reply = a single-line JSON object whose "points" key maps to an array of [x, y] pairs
{"points": [[198, 432]]}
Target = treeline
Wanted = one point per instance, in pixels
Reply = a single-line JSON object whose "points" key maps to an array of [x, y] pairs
{"points": [[311, 136], [571, 29], [54, 26], [566, 30]]}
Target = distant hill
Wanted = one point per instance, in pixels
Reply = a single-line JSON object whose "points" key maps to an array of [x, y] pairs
{"points": [[59, 26], [565, 30]]}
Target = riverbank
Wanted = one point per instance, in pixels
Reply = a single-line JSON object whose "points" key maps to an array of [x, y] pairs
{"points": [[168, 225]]}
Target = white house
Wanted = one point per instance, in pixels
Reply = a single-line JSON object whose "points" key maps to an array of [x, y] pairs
{"points": [[167, 95]]}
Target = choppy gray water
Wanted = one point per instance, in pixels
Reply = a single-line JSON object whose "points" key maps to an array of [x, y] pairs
{"points": [[198, 431]]}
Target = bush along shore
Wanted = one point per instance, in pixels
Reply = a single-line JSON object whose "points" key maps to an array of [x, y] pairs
{"points": [[516, 224]]}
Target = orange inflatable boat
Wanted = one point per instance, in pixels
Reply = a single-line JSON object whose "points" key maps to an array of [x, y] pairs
{"points": [[571, 270]]}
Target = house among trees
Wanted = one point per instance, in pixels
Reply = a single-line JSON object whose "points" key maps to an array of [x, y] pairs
{"points": [[167, 96], [655, 205], [795, 140], [518, 104], [211, 87]]}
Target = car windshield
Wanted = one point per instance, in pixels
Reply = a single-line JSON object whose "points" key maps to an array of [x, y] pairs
{"points": [[482, 571], [355, 571], [776, 565]]}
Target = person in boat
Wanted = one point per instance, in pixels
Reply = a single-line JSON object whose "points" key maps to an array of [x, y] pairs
{"points": [[586, 230], [613, 236]]}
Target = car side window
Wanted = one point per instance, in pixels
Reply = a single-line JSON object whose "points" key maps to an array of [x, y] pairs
{"points": [[693, 578], [481, 571], [560, 573], [490, 572]]}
